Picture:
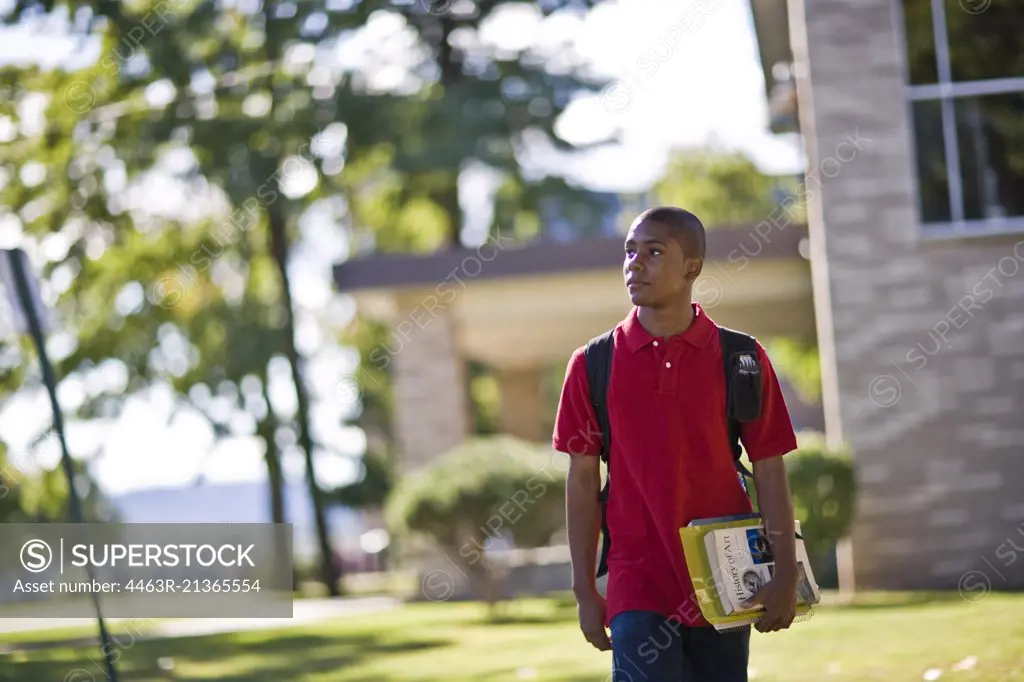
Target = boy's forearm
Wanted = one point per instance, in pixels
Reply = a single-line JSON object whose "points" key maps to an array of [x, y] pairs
{"points": [[583, 526], [777, 510]]}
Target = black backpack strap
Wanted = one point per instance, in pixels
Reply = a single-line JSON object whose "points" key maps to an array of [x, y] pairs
{"points": [[598, 353], [739, 350]]}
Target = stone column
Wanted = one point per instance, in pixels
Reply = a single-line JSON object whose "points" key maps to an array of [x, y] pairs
{"points": [[522, 404], [432, 405]]}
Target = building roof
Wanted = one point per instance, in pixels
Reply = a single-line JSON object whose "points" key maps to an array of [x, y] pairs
{"points": [[771, 26], [379, 271]]}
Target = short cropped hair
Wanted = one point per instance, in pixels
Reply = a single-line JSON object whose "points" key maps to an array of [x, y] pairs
{"points": [[688, 228]]}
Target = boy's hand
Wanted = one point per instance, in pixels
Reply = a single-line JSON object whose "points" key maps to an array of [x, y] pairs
{"points": [[778, 598], [591, 609]]}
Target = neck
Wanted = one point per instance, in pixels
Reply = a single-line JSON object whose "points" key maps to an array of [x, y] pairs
{"points": [[667, 321]]}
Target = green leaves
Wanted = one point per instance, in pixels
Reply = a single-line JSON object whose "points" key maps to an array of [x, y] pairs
{"points": [[823, 488], [31, 494], [483, 488], [149, 179], [374, 485], [799, 364], [724, 189]]}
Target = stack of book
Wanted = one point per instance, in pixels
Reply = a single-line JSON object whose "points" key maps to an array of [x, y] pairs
{"points": [[729, 559]]}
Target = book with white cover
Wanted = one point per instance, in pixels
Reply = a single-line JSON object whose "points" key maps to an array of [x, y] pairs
{"points": [[741, 562]]}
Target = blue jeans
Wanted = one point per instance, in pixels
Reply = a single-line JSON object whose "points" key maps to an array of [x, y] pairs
{"points": [[647, 647]]}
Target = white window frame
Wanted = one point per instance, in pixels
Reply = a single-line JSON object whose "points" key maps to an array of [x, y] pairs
{"points": [[946, 91]]}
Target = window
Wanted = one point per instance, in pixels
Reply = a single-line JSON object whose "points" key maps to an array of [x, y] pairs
{"points": [[920, 42], [990, 137], [965, 61]]}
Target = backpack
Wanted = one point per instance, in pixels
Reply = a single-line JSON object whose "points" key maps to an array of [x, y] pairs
{"points": [[742, 403]]}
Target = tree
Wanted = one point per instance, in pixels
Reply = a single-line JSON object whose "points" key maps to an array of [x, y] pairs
{"points": [[235, 107], [726, 188], [475, 104], [483, 491], [110, 109], [31, 493]]}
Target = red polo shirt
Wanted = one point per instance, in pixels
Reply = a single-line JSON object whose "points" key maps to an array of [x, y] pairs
{"points": [[670, 458]]}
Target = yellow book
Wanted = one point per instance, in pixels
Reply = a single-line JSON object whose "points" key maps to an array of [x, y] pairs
{"points": [[728, 559]]}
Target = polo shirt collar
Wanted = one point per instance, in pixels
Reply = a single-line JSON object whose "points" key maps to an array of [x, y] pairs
{"points": [[697, 335]]}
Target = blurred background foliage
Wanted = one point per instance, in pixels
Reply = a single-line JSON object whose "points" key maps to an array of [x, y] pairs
{"points": [[823, 486], [164, 187], [798, 362], [725, 188], [495, 489]]}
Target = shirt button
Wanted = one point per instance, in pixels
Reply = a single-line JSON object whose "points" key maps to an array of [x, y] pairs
{"points": [[668, 364], [655, 344]]}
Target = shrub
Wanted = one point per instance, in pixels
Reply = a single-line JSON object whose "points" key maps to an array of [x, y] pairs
{"points": [[823, 489], [483, 489]]}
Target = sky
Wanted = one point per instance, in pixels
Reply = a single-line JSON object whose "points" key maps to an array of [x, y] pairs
{"points": [[686, 72]]}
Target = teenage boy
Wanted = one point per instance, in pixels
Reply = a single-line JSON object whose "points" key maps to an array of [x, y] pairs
{"points": [[672, 463]]}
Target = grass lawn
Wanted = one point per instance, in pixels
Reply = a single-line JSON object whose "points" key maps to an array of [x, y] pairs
{"points": [[879, 637]]}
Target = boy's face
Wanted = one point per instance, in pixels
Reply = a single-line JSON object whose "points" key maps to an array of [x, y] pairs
{"points": [[657, 272]]}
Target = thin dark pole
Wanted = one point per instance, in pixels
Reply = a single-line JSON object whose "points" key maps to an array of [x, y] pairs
{"points": [[36, 330]]}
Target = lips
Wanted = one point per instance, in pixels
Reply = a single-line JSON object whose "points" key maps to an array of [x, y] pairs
{"points": [[635, 283]]}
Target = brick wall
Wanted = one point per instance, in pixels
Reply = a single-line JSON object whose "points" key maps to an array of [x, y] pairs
{"points": [[922, 342]]}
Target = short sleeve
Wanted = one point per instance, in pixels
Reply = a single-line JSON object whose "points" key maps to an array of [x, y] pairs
{"points": [[771, 434], [576, 431]]}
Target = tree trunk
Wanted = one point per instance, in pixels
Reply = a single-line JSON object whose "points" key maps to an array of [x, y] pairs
{"points": [[267, 431], [275, 480], [486, 582], [451, 73], [331, 573]]}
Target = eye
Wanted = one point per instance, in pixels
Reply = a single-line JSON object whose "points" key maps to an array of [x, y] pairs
{"points": [[656, 251], [630, 251]]}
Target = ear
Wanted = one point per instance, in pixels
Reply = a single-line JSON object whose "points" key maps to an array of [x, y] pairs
{"points": [[693, 268]]}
